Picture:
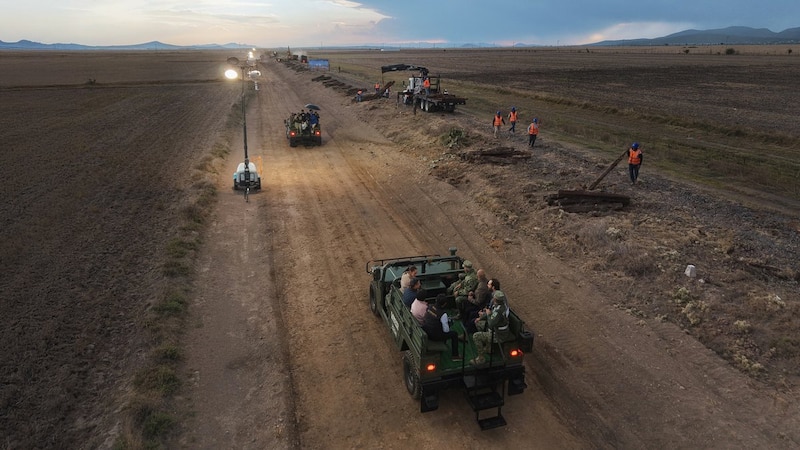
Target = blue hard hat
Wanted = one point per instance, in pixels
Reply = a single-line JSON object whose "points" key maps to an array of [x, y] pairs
{"points": [[535, 120], [498, 113], [635, 145], [513, 108]]}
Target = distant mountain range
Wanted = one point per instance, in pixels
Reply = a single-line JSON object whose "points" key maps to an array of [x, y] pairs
{"points": [[154, 45], [722, 36]]}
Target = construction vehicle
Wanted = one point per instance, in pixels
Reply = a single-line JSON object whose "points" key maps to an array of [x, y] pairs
{"points": [[428, 367], [432, 98]]}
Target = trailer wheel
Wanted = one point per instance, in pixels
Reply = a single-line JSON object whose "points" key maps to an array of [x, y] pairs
{"points": [[292, 143], [411, 375]]}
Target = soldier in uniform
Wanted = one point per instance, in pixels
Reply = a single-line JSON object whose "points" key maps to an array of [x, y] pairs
{"points": [[461, 288], [493, 322]]}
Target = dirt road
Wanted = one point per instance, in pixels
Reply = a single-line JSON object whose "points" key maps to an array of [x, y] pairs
{"points": [[284, 352]]}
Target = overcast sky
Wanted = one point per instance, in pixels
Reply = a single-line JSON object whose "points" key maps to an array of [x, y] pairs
{"points": [[315, 23]]}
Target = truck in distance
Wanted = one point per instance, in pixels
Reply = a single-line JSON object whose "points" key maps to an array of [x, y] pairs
{"points": [[429, 99]]}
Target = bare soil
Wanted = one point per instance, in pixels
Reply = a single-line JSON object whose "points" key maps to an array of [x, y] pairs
{"points": [[279, 347]]}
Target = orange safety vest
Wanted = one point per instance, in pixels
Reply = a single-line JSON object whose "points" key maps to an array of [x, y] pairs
{"points": [[498, 120], [512, 116], [634, 156], [533, 128], [426, 83], [377, 86]]}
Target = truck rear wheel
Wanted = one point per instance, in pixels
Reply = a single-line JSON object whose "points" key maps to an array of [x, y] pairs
{"points": [[411, 375], [373, 301]]}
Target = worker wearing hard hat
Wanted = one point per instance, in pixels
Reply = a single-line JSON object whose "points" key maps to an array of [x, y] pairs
{"points": [[512, 119], [635, 158], [533, 131], [498, 122]]}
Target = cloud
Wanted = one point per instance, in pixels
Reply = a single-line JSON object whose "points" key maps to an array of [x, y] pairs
{"points": [[628, 30]]}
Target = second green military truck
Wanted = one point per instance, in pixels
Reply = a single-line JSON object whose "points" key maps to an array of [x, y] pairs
{"points": [[427, 365]]}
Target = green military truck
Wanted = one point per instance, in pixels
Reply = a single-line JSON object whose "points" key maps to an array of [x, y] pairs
{"points": [[427, 365]]}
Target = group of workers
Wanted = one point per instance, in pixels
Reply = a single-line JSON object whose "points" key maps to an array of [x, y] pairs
{"points": [[498, 121], [635, 155], [482, 309]]}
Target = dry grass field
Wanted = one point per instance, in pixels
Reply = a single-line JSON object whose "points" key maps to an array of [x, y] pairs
{"points": [[116, 183]]}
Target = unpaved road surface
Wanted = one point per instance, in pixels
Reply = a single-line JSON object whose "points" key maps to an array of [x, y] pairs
{"points": [[284, 352]]}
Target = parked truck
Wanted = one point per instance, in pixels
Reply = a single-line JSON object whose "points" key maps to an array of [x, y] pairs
{"points": [[427, 98], [428, 367]]}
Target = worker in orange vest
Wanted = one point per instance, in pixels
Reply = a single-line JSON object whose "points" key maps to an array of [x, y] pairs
{"points": [[498, 122], [512, 119], [426, 83], [635, 158], [533, 131], [377, 88]]}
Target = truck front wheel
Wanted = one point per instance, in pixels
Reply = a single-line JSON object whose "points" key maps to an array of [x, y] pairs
{"points": [[411, 375]]}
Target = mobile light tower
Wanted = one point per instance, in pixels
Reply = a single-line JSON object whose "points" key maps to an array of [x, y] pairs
{"points": [[246, 176]]}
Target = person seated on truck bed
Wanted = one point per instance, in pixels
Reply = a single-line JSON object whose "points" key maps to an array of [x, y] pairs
{"points": [[492, 322], [409, 274], [437, 326], [313, 119], [462, 288], [419, 307], [476, 299], [411, 293], [484, 299]]}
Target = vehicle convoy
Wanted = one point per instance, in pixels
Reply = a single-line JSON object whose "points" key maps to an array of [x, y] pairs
{"points": [[428, 367], [427, 98], [303, 128]]}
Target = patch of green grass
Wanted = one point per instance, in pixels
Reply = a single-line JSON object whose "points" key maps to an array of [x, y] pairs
{"points": [[176, 268], [161, 379], [455, 139], [157, 425], [169, 353], [173, 303], [786, 346], [180, 247]]}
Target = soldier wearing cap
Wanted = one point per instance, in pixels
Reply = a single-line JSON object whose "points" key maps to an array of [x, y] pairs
{"points": [[494, 322], [461, 288]]}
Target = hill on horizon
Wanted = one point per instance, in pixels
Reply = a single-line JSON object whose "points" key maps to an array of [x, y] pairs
{"points": [[721, 36], [739, 35]]}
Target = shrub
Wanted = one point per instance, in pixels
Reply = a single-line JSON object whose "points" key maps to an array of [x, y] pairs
{"points": [[730, 51]]}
